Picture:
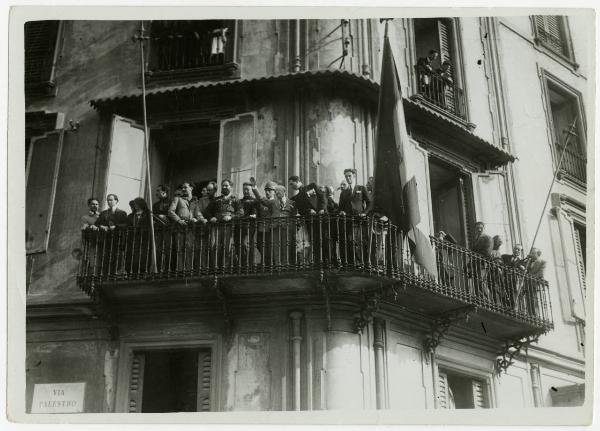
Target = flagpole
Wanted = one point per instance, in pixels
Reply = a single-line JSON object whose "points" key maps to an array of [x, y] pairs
{"points": [[562, 154], [141, 39]]}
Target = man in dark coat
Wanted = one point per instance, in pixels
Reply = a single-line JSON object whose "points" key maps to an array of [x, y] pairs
{"points": [[245, 231], [112, 221], [268, 209], [354, 201], [482, 245]]}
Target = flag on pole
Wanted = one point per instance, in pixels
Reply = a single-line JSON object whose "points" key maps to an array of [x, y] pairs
{"points": [[395, 188]]}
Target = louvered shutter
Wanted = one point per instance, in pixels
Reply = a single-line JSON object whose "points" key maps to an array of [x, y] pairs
{"points": [[551, 31], [136, 383], [444, 38], [479, 395], [204, 380], [579, 244], [40, 43], [41, 177], [466, 208], [443, 391], [238, 150]]}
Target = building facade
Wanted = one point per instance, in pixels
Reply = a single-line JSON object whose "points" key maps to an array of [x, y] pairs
{"points": [[322, 324]]}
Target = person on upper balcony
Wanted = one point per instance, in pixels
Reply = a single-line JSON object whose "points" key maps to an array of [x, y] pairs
{"points": [[425, 69], [160, 208], [308, 199], [89, 220], [140, 216], [445, 72], [515, 260], [225, 207], [536, 266], [482, 242], [355, 199], [249, 202], [184, 208], [113, 217]]}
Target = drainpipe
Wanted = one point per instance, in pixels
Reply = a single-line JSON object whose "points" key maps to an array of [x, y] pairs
{"points": [[536, 386], [378, 346], [296, 338]]}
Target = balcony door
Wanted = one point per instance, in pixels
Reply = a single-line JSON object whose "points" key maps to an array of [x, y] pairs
{"points": [[238, 150], [451, 201]]}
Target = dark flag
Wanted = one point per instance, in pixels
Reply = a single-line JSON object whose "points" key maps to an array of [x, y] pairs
{"points": [[392, 168]]}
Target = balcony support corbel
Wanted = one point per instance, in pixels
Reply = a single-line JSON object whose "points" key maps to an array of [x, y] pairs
{"points": [[227, 320], [440, 326], [510, 350], [368, 306]]}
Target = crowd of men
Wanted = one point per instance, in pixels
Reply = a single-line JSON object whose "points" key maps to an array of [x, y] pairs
{"points": [[185, 208]]}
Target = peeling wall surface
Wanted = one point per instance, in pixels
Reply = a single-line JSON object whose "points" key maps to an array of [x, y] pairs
{"points": [[315, 127]]}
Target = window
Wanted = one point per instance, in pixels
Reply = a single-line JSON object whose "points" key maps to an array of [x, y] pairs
{"points": [[438, 78], [459, 391], [202, 49], [551, 31], [162, 381], [40, 56], [564, 109], [451, 201]]}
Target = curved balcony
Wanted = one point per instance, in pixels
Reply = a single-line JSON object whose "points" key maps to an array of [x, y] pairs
{"points": [[360, 255]]}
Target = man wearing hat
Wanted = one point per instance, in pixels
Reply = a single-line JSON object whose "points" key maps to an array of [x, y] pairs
{"points": [[268, 208]]}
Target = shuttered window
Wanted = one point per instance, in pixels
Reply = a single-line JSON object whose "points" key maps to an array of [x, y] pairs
{"points": [[162, 381], [459, 391], [40, 46], [551, 32]]}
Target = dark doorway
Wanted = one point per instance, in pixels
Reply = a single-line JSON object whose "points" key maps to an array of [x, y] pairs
{"points": [[185, 153], [451, 201]]}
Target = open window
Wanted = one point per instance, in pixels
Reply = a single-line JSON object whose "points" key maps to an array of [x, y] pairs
{"points": [[439, 84], [451, 200], [170, 380], [564, 108], [461, 391]]}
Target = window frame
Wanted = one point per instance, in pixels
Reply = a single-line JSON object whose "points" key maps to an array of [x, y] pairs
{"points": [[457, 64], [539, 40], [473, 370], [129, 346], [547, 78], [46, 88]]}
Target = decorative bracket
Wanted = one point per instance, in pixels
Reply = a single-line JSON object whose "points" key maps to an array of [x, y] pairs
{"points": [[441, 324], [228, 322], [368, 306], [510, 350], [325, 289]]}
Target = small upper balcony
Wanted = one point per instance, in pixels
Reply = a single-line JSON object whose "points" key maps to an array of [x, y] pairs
{"points": [[440, 91], [287, 257]]}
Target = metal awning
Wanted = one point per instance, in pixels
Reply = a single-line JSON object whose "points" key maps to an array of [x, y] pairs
{"points": [[419, 116]]}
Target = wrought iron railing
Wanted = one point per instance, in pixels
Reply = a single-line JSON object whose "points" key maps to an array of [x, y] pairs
{"points": [[180, 45], [352, 245], [574, 163], [442, 92]]}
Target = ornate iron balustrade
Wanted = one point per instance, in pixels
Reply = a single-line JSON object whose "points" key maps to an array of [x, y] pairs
{"points": [[441, 92], [361, 246], [574, 163]]}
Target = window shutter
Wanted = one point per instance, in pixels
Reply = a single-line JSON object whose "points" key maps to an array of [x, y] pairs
{"points": [[41, 176], [550, 29], [443, 390], [578, 233], [444, 36], [238, 150], [40, 43], [479, 396], [136, 383], [466, 207], [204, 380], [126, 169]]}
